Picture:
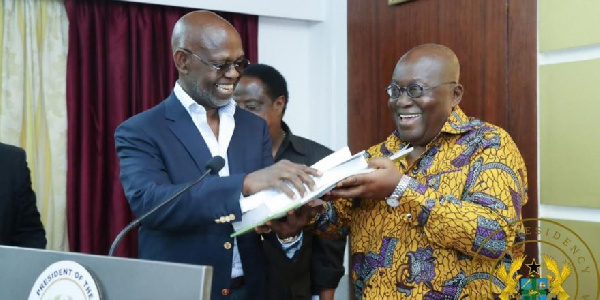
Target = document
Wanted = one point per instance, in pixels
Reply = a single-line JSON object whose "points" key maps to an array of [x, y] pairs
{"points": [[270, 204]]}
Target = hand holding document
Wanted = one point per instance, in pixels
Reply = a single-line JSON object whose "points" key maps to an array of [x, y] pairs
{"points": [[270, 204]]}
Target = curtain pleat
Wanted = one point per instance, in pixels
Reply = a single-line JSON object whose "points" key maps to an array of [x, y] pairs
{"points": [[33, 101]]}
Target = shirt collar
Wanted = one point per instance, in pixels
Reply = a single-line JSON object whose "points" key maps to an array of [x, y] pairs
{"points": [[289, 141], [459, 123], [192, 106]]}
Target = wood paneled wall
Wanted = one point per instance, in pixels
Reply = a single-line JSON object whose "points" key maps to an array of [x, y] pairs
{"points": [[495, 42]]}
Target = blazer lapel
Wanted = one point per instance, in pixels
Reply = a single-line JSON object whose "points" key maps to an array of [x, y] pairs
{"points": [[186, 131], [234, 155]]}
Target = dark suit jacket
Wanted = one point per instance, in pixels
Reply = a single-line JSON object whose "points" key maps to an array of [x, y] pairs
{"points": [[160, 152], [319, 264], [20, 223]]}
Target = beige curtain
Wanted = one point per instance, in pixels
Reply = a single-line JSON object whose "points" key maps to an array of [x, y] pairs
{"points": [[33, 111]]}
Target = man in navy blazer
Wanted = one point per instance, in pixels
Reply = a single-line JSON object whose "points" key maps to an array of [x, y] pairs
{"points": [[168, 146]]}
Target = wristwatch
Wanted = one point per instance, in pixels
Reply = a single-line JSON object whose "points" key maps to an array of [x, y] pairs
{"points": [[392, 200]]}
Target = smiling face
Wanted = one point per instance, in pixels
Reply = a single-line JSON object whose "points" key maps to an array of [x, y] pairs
{"points": [[214, 42], [419, 120]]}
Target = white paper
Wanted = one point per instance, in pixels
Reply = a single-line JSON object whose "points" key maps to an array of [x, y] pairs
{"points": [[273, 203]]}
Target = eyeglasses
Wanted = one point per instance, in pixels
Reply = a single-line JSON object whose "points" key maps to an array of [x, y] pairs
{"points": [[413, 90], [239, 66]]}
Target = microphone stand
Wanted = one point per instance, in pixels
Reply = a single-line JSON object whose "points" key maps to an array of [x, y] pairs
{"points": [[136, 222]]}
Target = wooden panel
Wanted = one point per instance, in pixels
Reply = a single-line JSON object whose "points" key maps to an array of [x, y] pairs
{"points": [[365, 76], [521, 100]]}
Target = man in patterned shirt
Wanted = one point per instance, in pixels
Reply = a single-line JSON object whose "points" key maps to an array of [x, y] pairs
{"points": [[433, 225]]}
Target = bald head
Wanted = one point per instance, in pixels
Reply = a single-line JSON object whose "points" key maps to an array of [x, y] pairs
{"points": [[203, 29], [432, 60], [205, 47]]}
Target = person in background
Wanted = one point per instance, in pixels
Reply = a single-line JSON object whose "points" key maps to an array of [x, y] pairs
{"points": [[434, 224], [20, 223], [167, 147], [318, 267]]}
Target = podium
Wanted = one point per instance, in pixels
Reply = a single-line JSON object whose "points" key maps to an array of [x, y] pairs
{"points": [[116, 278]]}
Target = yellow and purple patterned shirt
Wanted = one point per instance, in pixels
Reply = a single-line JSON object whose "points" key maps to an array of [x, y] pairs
{"points": [[455, 221]]}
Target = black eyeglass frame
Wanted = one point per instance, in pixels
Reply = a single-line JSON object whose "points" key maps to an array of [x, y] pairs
{"points": [[239, 66], [421, 89]]}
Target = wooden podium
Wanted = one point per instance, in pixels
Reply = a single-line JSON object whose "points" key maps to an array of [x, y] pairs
{"points": [[116, 278]]}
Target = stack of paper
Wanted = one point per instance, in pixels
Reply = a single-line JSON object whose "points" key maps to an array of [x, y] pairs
{"points": [[270, 204]]}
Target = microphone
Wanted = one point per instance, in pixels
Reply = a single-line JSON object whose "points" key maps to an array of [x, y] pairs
{"points": [[213, 166]]}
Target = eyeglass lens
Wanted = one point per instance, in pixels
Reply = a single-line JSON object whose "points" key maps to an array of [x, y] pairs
{"points": [[222, 67], [238, 65], [413, 90]]}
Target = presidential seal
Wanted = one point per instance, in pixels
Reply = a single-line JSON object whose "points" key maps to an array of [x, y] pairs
{"points": [[565, 269], [65, 280]]}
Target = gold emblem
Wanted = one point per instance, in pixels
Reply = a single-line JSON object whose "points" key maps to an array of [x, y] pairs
{"points": [[558, 277], [509, 279]]}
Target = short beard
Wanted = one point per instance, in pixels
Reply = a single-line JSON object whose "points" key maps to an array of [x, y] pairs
{"points": [[204, 97]]}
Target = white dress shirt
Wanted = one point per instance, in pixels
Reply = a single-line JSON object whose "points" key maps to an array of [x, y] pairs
{"points": [[217, 146]]}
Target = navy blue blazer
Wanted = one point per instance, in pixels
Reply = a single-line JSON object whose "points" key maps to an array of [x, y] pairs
{"points": [[160, 152]]}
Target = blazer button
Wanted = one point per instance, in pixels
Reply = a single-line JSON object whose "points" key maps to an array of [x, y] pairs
{"points": [[227, 245], [225, 292]]}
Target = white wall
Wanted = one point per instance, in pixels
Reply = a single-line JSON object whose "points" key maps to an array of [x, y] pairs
{"points": [[306, 41], [312, 57]]}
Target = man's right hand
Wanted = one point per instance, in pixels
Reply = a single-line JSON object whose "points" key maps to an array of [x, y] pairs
{"points": [[296, 219], [277, 175]]}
